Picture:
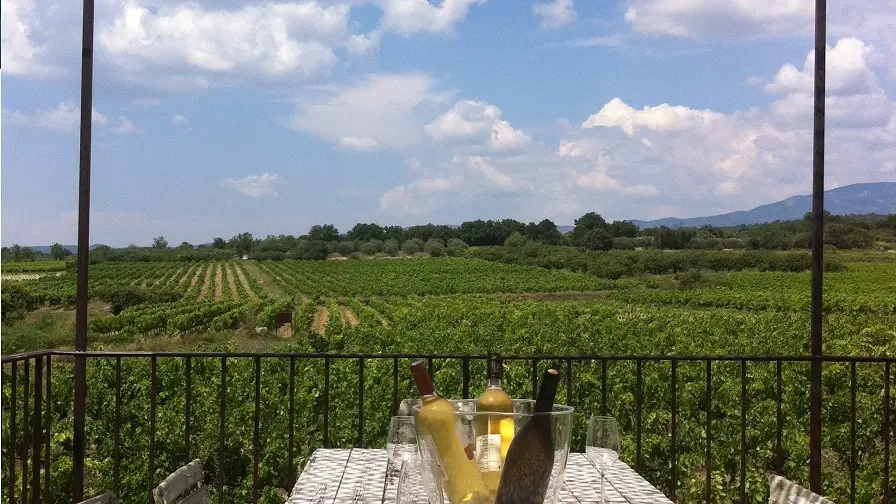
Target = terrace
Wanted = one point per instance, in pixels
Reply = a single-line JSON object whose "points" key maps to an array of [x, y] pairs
{"points": [[79, 423]]}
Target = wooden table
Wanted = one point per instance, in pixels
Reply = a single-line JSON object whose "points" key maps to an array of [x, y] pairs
{"points": [[363, 476]]}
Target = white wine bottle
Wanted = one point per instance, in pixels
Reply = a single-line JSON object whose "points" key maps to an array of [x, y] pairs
{"points": [[437, 421], [530, 459], [494, 431]]}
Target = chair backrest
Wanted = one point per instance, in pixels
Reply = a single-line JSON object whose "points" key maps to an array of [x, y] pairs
{"points": [[784, 491], [106, 498], [179, 486]]}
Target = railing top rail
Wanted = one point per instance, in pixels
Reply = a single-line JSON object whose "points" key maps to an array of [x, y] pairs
{"points": [[565, 357]]}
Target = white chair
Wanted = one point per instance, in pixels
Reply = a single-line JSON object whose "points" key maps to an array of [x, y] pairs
{"points": [[784, 491], [184, 486]]}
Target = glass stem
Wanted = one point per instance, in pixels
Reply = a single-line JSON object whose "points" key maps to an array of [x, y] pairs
{"points": [[603, 496]]}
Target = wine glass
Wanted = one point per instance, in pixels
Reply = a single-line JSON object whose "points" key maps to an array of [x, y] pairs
{"points": [[602, 446], [410, 484], [401, 445]]}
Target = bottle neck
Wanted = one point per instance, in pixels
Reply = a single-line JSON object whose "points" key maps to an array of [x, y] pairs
{"points": [[493, 382]]}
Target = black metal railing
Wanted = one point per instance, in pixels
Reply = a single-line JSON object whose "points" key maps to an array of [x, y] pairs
{"points": [[671, 409]]}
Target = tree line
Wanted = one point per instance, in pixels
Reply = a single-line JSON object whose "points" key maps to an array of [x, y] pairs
{"points": [[590, 232]]}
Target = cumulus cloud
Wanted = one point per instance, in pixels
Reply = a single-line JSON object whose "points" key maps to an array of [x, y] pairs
{"points": [[126, 127], [358, 143], [386, 109], [616, 113], [254, 186], [65, 118], [178, 119], [274, 40], [21, 55], [694, 19], [554, 14], [642, 190], [476, 121], [407, 17]]}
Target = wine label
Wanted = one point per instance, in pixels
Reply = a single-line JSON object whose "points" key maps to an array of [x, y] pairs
{"points": [[488, 452]]}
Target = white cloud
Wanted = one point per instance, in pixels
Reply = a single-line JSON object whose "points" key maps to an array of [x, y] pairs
{"points": [[358, 143], [21, 55], [254, 186], [407, 17], [694, 19], [598, 179], [178, 119], [642, 190], [616, 113], [492, 174], [126, 127], [387, 109], [187, 42], [477, 121], [65, 118], [846, 71], [554, 14]]}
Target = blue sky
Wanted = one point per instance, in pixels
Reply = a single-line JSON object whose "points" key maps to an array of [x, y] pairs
{"points": [[217, 117]]}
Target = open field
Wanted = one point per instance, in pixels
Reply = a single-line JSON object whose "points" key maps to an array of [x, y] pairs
{"points": [[475, 306]]}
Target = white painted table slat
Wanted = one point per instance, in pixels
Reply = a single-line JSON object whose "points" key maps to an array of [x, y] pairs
{"points": [[363, 476]]}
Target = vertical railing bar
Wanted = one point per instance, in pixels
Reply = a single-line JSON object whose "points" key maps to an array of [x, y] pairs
{"points": [[37, 427], [603, 387], [534, 376], [394, 386], [222, 414], [852, 432], [430, 366], [743, 431], [255, 431], [673, 449], [188, 399], [639, 466], [708, 431], [779, 456], [361, 402], [292, 417], [12, 428], [26, 387], [465, 364], [153, 391], [886, 479], [49, 422], [116, 460], [569, 382], [326, 402]]}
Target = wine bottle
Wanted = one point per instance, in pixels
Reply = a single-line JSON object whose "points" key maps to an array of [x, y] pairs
{"points": [[494, 432], [530, 459], [438, 423]]}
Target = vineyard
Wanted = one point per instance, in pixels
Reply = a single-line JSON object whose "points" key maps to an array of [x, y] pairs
{"points": [[473, 306]]}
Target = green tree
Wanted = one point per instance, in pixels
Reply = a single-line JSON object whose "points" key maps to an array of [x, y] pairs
{"points": [[242, 243], [598, 239], [434, 247], [456, 247], [412, 246], [391, 247], [326, 232], [623, 229], [372, 247], [58, 252], [583, 225], [219, 243], [160, 242], [515, 240]]}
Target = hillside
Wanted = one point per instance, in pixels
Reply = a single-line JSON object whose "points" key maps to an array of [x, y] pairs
{"points": [[877, 197]]}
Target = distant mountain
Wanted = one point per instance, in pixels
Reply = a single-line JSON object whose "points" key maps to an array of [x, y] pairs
{"points": [[877, 197]]}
